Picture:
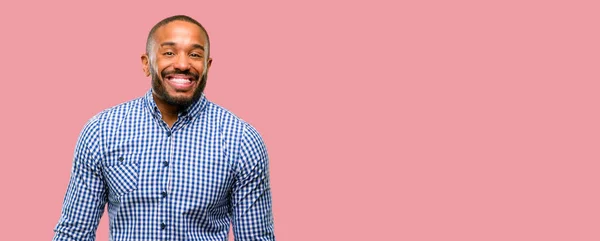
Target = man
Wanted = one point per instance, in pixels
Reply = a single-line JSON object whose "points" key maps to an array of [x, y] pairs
{"points": [[171, 165]]}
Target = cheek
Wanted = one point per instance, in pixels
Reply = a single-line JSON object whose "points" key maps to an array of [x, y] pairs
{"points": [[161, 65], [198, 66]]}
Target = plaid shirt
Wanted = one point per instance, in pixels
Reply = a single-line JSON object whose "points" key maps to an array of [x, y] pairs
{"points": [[188, 182]]}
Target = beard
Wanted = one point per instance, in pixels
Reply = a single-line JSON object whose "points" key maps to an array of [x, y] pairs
{"points": [[182, 102]]}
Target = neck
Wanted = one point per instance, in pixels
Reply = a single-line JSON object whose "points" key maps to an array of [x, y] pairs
{"points": [[168, 111]]}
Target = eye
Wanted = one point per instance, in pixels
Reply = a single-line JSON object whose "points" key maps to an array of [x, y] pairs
{"points": [[195, 55], [168, 53]]}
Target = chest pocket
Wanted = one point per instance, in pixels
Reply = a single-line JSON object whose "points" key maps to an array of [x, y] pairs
{"points": [[122, 174]]}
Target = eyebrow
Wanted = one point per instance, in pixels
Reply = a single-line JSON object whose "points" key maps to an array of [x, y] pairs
{"points": [[194, 46]]}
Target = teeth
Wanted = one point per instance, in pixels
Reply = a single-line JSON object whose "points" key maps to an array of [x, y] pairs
{"points": [[182, 81]]}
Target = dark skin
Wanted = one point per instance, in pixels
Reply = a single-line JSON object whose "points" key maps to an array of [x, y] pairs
{"points": [[180, 62]]}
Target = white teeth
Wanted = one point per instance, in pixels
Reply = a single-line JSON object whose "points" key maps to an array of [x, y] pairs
{"points": [[181, 81]]}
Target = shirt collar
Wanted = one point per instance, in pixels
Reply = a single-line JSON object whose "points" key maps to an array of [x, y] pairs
{"points": [[191, 111]]}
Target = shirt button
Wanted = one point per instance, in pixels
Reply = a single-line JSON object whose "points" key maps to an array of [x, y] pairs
{"points": [[163, 226], [165, 163], [163, 194], [169, 134], [120, 158]]}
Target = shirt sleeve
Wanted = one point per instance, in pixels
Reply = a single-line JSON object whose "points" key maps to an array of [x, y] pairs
{"points": [[85, 199], [251, 197]]}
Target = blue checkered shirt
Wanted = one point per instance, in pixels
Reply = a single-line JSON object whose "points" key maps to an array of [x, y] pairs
{"points": [[188, 182]]}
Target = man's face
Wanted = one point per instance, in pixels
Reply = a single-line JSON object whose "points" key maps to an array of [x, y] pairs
{"points": [[178, 63]]}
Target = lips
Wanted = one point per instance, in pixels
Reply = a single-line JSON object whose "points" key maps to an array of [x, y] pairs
{"points": [[180, 82]]}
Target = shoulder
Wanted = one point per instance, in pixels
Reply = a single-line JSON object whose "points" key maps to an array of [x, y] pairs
{"points": [[110, 117], [118, 112], [228, 121], [234, 129]]}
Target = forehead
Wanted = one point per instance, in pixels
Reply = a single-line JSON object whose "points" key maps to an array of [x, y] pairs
{"points": [[180, 32]]}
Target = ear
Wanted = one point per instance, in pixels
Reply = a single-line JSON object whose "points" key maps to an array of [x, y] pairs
{"points": [[208, 63], [146, 64]]}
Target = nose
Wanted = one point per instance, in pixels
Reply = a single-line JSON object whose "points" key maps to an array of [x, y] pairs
{"points": [[182, 62]]}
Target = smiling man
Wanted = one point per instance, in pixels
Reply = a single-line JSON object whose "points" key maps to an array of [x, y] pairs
{"points": [[171, 165]]}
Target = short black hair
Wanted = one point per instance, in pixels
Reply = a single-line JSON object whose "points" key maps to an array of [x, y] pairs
{"points": [[171, 19]]}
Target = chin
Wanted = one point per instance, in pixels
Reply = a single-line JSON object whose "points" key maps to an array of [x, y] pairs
{"points": [[179, 100], [172, 97]]}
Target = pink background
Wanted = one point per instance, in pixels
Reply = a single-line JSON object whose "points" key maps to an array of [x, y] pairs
{"points": [[384, 120]]}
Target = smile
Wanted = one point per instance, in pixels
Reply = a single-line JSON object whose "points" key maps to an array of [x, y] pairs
{"points": [[180, 82]]}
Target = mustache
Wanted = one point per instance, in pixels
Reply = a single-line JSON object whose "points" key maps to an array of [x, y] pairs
{"points": [[195, 76]]}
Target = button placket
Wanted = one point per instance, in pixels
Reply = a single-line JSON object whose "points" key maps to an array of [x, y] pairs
{"points": [[166, 181]]}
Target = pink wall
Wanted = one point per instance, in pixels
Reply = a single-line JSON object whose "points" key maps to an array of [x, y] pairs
{"points": [[385, 120]]}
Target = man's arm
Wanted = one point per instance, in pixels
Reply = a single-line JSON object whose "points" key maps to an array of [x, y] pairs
{"points": [[86, 194], [251, 198]]}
